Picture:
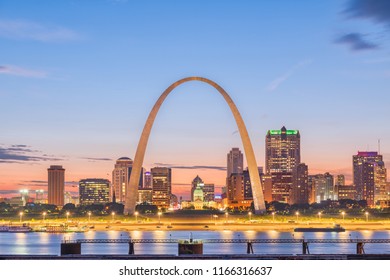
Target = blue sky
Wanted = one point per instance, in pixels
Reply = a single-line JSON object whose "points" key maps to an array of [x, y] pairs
{"points": [[78, 79]]}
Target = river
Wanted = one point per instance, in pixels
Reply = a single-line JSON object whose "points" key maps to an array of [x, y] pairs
{"points": [[41, 243]]}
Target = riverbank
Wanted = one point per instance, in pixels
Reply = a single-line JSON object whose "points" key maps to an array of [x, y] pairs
{"points": [[202, 223], [232, 226]]}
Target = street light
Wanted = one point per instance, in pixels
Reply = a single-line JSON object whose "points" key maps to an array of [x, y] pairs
{"points": [[159, 217], [67, 216], [297, 213], [319, 215], [21, 215], [366, 216], [89, 216], [112, 216], [250, 216], [226, 215], [136, 217], [343, 213], [273, 217], [44, 215]]}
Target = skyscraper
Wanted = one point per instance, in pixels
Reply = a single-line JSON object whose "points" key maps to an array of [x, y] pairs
{"points": [[368, 175], [94, 191], [282, 156], [148, 180], [300, 191], [120, 178], [323, 185], [235, 162], [161, 185], [282, 150], [340, 180], [56, 185]]}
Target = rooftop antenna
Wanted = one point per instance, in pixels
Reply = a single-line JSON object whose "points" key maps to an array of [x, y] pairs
{"points": [[379, 146]]}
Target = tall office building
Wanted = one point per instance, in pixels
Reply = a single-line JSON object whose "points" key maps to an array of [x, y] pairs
{"points": [[120, 178], [247, 184], [340, 180], [208, 192], [148, 180], [300, 191], [235, 162], [94, 191], [323, 185], [380, 178], [161, 186], [282, 156], [282, 150], [56, 185], [368, 175]]}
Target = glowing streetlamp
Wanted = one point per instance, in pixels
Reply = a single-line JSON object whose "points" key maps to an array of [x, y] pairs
{"points": [[343, 213], [112, 216], [43, 216], [250, 216], [273, 217], [136, 217], [319, 215], [67, 216], [226, 215], [366, 216], [21, 216], [89, 216], [297, 214], [159, 217]]}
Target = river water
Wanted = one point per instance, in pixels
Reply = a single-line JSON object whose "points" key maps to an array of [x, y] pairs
{"points": [[41, 243]]}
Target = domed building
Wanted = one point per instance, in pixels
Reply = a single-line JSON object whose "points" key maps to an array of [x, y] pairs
{"points": [[198, 198]]}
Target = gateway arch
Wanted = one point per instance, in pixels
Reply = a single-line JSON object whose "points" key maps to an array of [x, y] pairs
{"points": [[132, 191]]}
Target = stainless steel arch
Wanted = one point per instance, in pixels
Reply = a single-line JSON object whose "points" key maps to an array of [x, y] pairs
{"points": [[132, 190]]}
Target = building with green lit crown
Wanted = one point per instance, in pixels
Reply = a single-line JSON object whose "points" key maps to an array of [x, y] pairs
{"points": [[282, 156], [283, 150]]}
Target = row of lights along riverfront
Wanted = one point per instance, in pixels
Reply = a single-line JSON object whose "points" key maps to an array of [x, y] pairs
{"points": [[136, 214]]}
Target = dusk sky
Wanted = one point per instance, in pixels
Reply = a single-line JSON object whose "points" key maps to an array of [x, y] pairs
{"points": [[79, 78]]}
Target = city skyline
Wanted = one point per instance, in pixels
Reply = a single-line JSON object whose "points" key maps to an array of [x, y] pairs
{"points": [[63, 106]]}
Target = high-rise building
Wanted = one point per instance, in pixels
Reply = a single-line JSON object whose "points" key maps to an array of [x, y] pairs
{"points": [[161, 186], [346, 192], [300, 191], [235, 191], [369, 176], [247, 184], [282, 150], [323, 185], [380, 178], [235, 162], [120, 178], [94, 191], [148, 180], [208, 192], [340, 180], [197, 180], [282, 155], [145, 195], [56, 185]]}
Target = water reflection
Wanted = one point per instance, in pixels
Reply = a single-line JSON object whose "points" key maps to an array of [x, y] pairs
{"points": [[37, 243]]}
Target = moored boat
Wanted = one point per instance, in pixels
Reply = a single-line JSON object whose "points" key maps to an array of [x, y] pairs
{"points": [[24, 228], [336, 228]]}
